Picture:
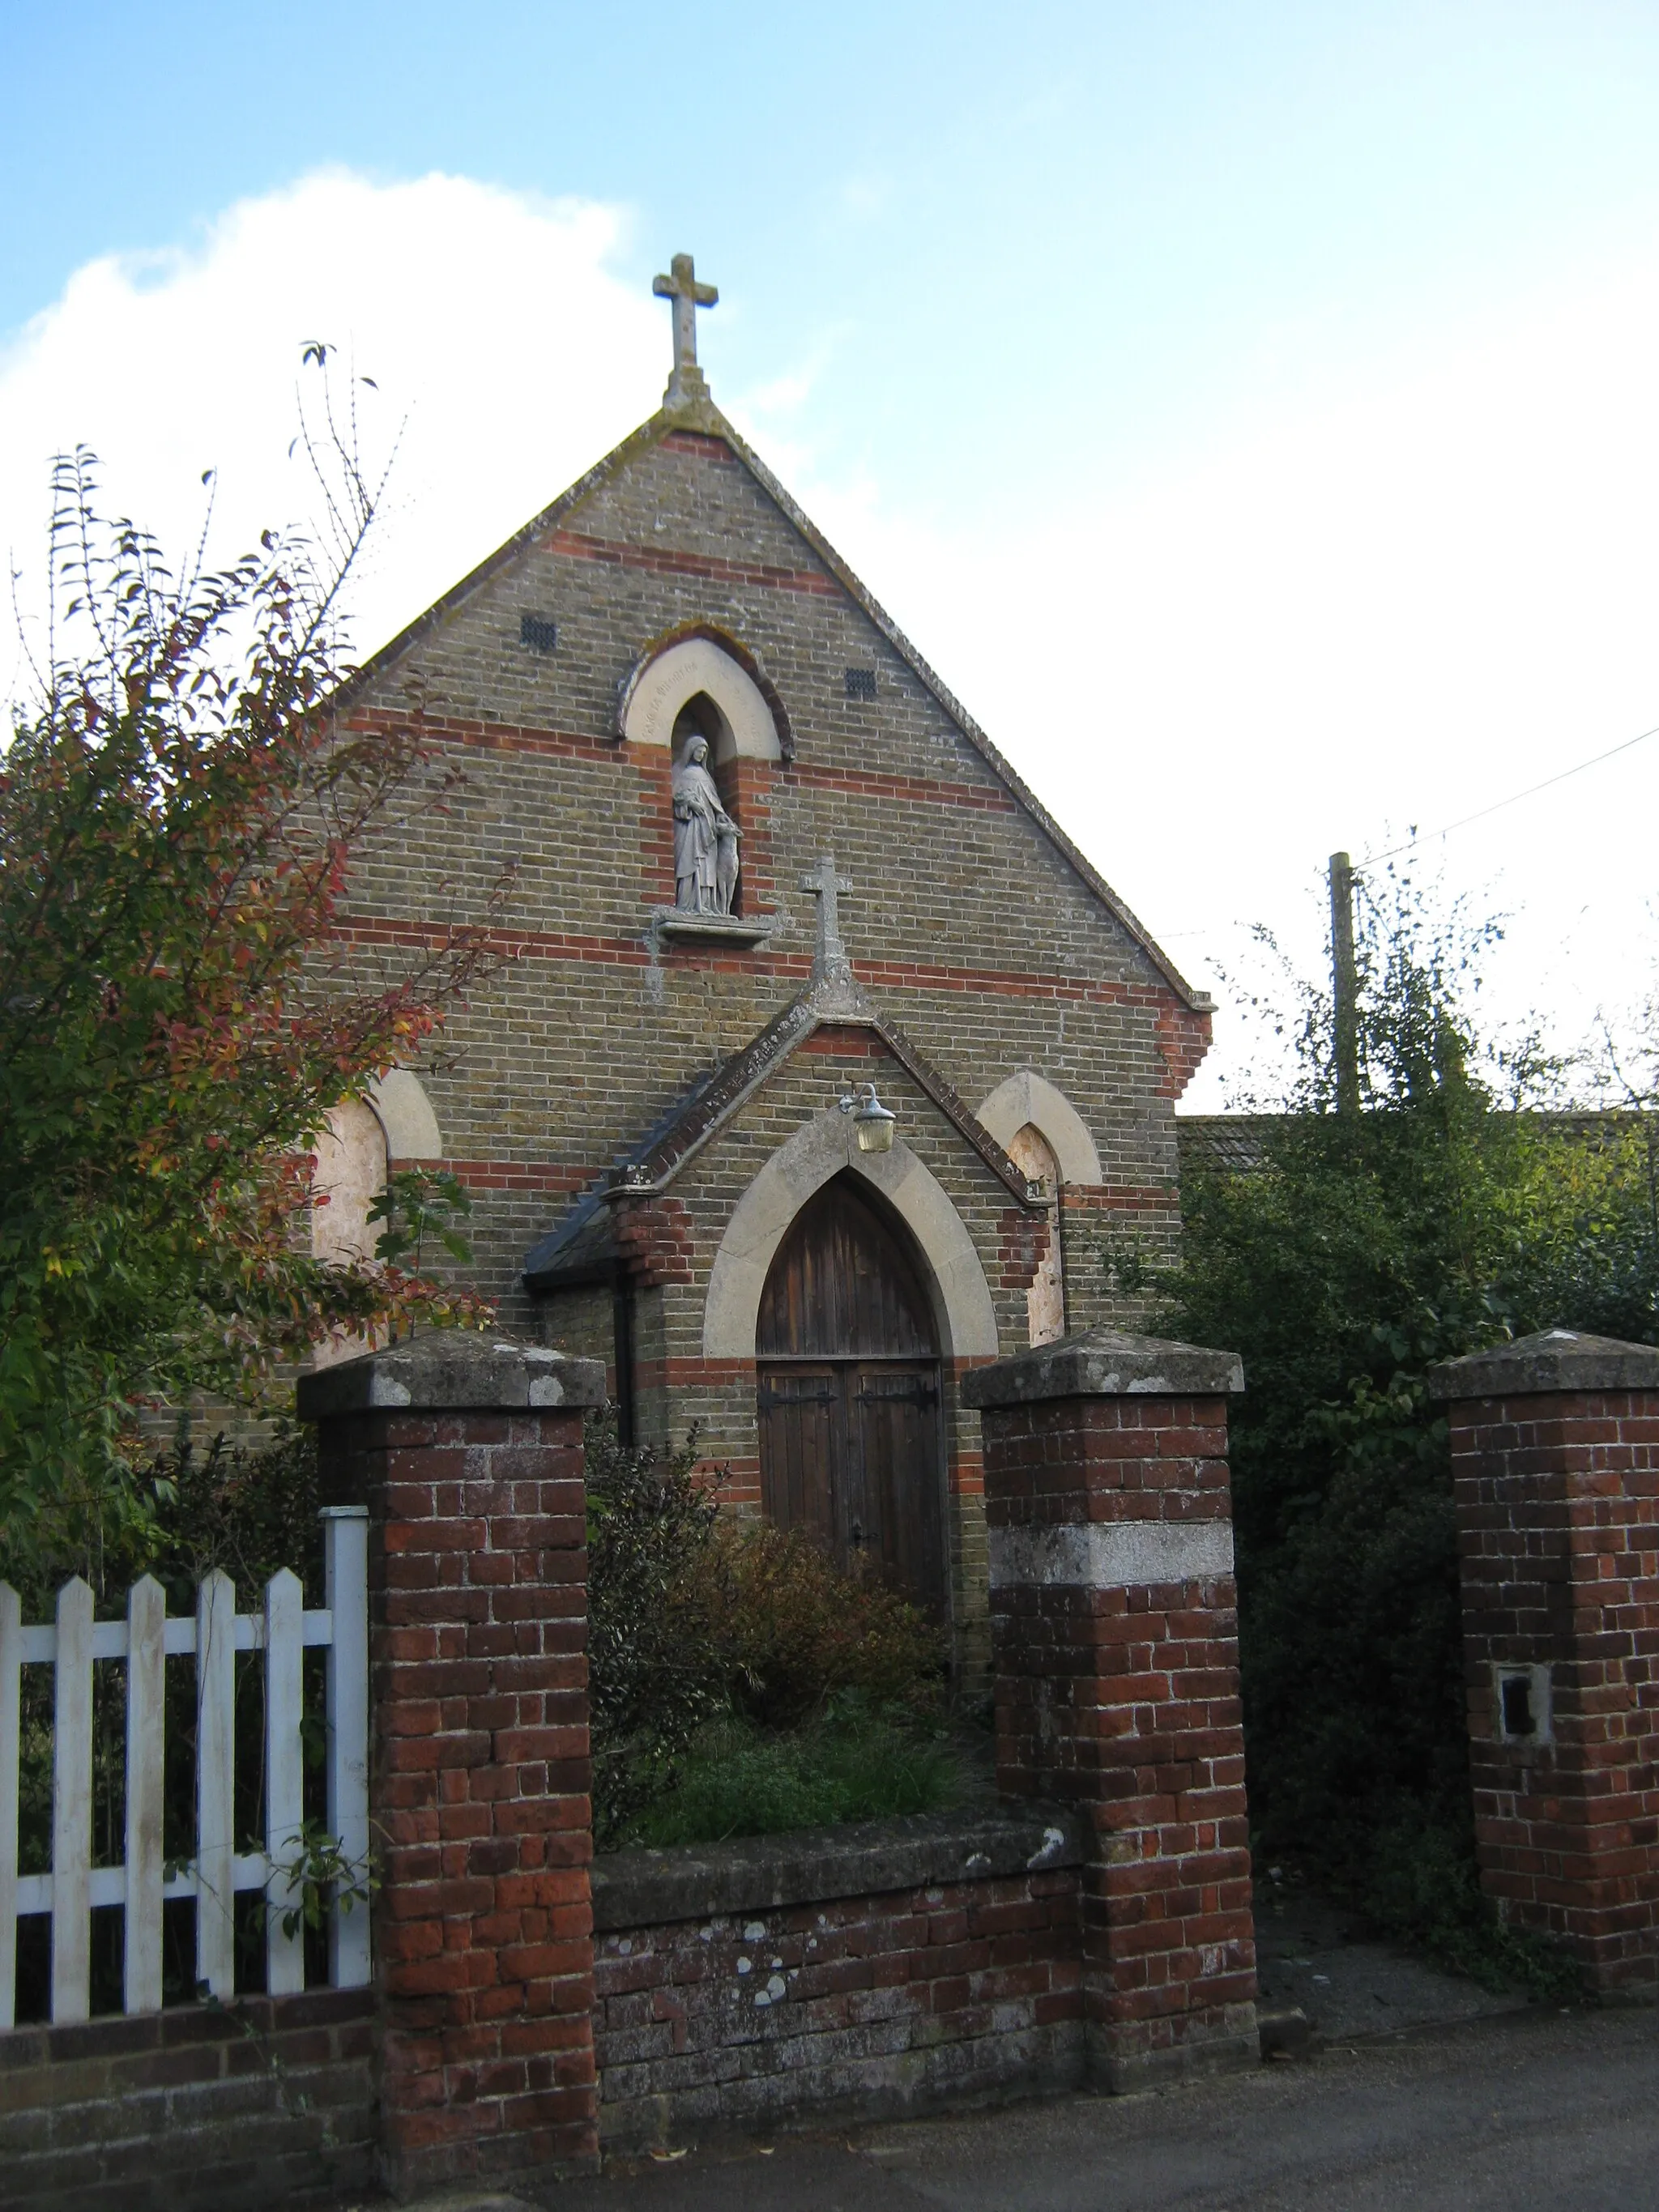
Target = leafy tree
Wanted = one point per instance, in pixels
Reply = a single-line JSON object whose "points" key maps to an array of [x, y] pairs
{"points": [[181, 1004], [1451, 1212]]}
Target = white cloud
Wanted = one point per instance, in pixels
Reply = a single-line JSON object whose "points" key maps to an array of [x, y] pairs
{"points": [[491, 321]]}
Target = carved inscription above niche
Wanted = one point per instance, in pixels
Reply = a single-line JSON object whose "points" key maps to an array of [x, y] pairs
{"points": [[660, 686]]}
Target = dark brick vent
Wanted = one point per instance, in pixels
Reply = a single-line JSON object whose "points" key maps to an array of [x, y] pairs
{"points": [[540, 632], [861, 683]]}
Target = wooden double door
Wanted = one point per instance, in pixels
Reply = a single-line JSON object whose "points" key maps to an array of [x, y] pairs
{"points": [[848, 1368]]}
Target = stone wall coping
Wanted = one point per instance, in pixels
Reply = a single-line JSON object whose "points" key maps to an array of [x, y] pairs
{"points": [[1105, 1363], [1555, 1359], [452, 1370], [760, 1874]]}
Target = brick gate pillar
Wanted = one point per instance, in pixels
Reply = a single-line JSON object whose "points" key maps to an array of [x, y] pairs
{"points": [[468, 1453], [1555, 1469], [1114, 1615]]}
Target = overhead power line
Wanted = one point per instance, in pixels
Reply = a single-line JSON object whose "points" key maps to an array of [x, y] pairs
{"points": [[1428, 837]]}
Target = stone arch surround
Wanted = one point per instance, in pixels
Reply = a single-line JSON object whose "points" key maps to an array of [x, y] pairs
{"points": [[400, 1105], [1025, 1097], [823, 1147], [664, 681]]}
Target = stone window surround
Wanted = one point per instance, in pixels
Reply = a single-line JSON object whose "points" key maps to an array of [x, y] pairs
{"points": [[1025, 1097]]}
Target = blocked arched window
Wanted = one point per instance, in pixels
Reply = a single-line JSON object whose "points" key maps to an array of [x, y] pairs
{"points": [[1045, 1298], [350, 1174]]}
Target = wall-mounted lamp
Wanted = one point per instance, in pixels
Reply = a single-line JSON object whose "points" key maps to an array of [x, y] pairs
{"points": [[871, 1123]]}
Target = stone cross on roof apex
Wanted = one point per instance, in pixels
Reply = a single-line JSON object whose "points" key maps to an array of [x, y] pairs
{"points": [[830, 960], [687, 385]]}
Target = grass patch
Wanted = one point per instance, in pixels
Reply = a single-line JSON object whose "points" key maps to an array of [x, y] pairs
{"points": [[850, 1762]]}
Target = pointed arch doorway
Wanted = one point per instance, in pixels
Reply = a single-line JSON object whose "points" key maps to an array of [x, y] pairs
{"points": [[847, 1362]]}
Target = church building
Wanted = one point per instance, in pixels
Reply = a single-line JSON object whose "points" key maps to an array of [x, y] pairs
{"points": [[819, 1066]]}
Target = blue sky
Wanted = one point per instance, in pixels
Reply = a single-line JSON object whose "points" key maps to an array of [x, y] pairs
{"points": [[1245, 406]]}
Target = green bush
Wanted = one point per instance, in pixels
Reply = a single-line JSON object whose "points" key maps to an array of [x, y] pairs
{"points": [[654, 1672], [247, 1509], [1357, 1251], [792, 1630], [694, 1617]]}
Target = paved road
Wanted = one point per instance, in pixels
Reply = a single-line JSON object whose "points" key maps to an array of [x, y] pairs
{"points": [[1523, 2112]]}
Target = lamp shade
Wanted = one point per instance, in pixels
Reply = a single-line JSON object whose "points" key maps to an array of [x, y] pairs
{"points": [[873, 1124]]}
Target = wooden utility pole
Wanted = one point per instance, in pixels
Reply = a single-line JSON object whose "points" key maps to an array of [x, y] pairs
{"points": [[1345, 985]]}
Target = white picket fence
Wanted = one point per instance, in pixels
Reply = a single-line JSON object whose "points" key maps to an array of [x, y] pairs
{"points": [[144, 1640]]}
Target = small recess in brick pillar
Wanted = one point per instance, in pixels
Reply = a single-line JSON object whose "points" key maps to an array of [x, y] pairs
{"points": [[1555, 1478]]}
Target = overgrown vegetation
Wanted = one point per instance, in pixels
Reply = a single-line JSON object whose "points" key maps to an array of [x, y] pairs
{"points": [[738, 1679], [180, 1006], [1448, 1213]]}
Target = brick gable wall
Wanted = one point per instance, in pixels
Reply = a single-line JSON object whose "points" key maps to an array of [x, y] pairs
{"points": [[966, 925]]}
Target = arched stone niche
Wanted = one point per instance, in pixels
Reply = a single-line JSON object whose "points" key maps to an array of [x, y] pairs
{"points": [[823, 1147], [748, 725], [1026, 1097]]}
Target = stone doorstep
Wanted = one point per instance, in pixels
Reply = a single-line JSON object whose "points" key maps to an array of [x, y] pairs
{"points": [[867, 1858]]}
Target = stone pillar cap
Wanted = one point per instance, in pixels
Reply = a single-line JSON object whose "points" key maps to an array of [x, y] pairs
{"points": [[1554, 1359], [1105, 1364], [451, 1370]]}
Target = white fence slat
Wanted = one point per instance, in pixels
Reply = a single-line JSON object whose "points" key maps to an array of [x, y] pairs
{"points": [[285, 1956], [147, 1611], [215, 1752], [72, 1806], [345, 1535], [72, 1646], [11, 1661]]}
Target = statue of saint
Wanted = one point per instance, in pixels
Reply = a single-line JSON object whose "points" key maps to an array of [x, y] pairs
{"points": [[705, 838]]}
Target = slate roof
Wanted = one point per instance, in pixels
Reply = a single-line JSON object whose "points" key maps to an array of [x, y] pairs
{"points": [[703, 416], [1236, 1144]]}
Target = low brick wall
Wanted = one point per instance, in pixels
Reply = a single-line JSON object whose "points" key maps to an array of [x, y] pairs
{"points": [[203, 2107], [872, 1969]]}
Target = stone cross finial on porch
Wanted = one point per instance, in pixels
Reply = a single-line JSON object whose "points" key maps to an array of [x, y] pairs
{"points": [[687, 384], [829, 961]]}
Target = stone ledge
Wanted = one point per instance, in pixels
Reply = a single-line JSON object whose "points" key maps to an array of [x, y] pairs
{"points": [[809, 1866], [680, 924], [452, 1370], [1555, 1359], [1105, 1364]]}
